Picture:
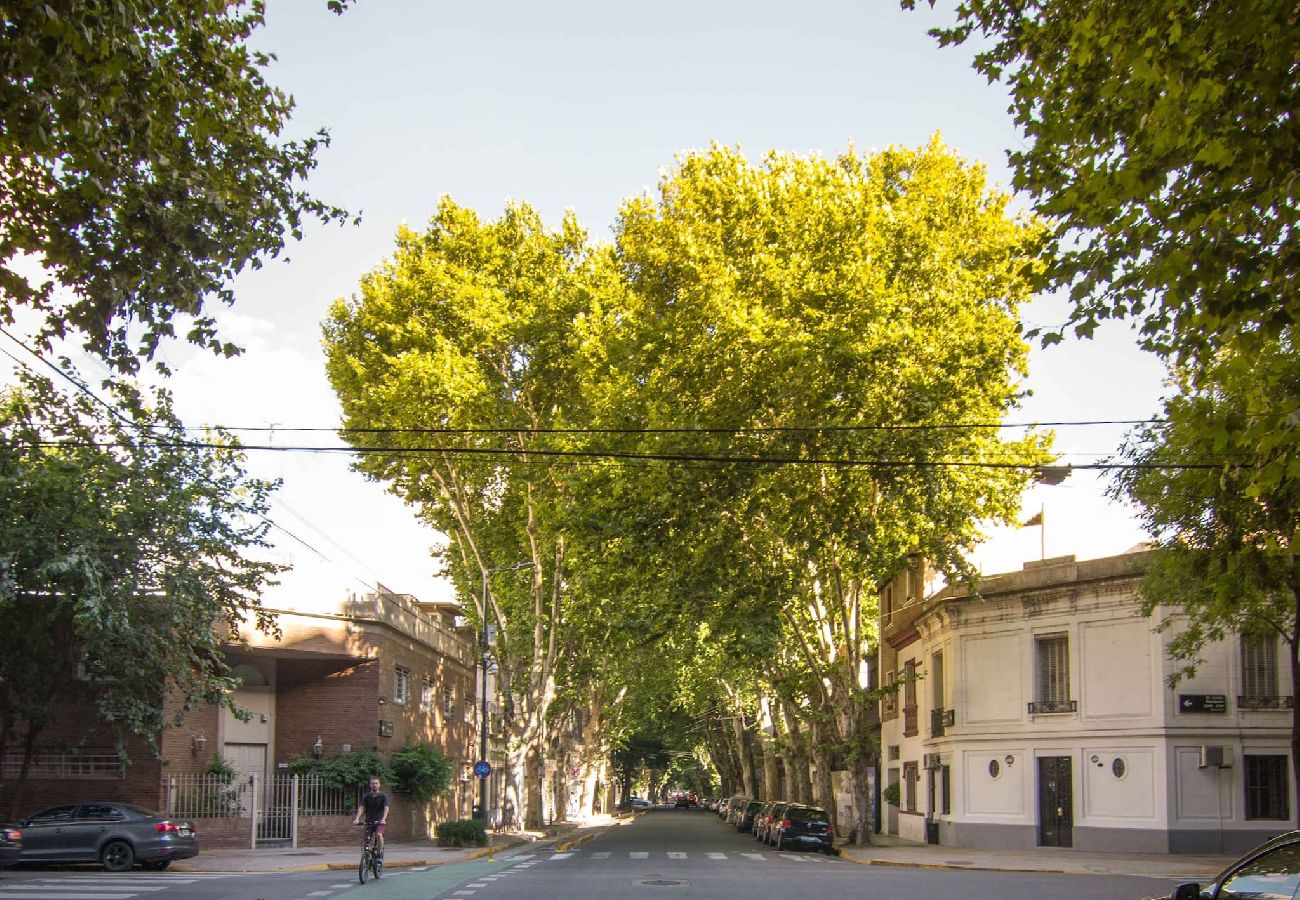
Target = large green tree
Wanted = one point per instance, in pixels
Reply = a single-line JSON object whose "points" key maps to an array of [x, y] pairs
{"points": [[463, 341], [125, 563], [141, 167], [819, 327], [1227, 555], [1160, 140]]}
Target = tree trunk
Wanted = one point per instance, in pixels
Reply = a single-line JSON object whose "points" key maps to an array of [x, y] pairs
{"points": [[798, 775], [743, 757]]}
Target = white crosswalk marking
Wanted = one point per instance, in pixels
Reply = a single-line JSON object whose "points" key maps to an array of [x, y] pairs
{"points": [[639, 855], [524, 856], [757, 856], [561, 855], [716, 855], [676, 854], [603, 854], [319, 893]]}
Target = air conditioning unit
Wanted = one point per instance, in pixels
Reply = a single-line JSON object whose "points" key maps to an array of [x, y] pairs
{"points": [[931, 761], [1216, 757], [385, 728]]}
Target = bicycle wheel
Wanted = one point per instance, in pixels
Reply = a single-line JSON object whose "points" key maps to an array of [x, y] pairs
{"points": [[377, 865], [363, 872]]}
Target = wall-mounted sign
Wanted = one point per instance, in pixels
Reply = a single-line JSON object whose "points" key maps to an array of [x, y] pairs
{"points": [[1203, 703]]}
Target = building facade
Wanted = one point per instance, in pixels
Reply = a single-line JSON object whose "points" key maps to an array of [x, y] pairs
{"points": [[1039, 714], [375, 671]]}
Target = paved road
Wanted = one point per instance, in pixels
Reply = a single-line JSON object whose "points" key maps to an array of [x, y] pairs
{"points": [[669, 854]]}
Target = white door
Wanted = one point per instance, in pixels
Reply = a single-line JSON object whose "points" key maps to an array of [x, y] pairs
{"points": [[247, 759]]}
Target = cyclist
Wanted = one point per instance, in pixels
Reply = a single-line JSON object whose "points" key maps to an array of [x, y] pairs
{"points": [[374, 804]]}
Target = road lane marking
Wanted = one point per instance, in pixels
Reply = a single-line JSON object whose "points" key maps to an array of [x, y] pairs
{"points": [[319, 893], [757, 856], [716, 855], [676, 854], [524, 856], [639, 855], [477, 884], [561, 855], [604, 854]]}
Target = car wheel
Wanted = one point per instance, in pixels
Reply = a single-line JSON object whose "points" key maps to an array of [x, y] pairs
{"points": [[780, 842], [117, 856], [157, 865]]}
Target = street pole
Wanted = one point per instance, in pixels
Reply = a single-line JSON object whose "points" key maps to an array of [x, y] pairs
{"points": [[483, 700]]}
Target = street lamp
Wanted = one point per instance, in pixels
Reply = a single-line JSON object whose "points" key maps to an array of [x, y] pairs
{"points": [[483, 698]]}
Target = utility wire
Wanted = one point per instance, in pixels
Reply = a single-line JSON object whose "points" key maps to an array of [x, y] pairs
{"points": [[479, 452]]}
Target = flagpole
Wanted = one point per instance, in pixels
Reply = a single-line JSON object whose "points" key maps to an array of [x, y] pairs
{"points": [[1042, 534]]}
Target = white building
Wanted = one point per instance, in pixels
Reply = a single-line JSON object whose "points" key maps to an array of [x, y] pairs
{"points": [[1039, 714]]}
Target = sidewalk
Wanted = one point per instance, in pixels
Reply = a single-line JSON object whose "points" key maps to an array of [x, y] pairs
{"points": [[397, 854], [891, 851]]}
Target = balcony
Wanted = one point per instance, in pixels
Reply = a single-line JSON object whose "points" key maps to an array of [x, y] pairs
{"points": [[941, 720], [910, 726], [1278, 702], [1053, 707]]}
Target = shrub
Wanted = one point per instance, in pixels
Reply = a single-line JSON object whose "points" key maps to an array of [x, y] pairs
{"points": [[892, 794], [347, 772], [462, 833], [421, 771]]}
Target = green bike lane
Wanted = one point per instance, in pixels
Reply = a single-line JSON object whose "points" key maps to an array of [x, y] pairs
{"points": [[434, 882]]}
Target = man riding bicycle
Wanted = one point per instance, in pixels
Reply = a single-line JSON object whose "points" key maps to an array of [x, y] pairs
{"points": [[374, 804]]}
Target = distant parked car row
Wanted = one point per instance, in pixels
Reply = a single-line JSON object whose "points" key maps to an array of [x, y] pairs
{"points": [[116, 835], [782, 824]]}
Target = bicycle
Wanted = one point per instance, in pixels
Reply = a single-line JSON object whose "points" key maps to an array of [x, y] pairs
{"points": [[372, 861]]}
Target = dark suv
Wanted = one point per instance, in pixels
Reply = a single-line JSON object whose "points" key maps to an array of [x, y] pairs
{"points": [[803, 826], [745, 818]]}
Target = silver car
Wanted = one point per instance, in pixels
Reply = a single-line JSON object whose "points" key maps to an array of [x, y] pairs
{"points": [[116, 835]]}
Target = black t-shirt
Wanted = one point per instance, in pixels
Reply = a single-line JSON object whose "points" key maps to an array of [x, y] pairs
{"points": [[375, 803]]}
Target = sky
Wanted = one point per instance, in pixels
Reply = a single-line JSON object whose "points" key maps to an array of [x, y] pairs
{"points": [[577, 105]]}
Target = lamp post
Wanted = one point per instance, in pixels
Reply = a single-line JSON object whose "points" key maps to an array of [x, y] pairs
{"points": [[483, 698]]}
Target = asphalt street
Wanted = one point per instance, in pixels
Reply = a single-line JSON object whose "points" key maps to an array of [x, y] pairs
{"points": [[669, 854]]}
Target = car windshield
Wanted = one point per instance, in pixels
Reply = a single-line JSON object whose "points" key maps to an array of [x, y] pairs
{"points": [[754, 807]]}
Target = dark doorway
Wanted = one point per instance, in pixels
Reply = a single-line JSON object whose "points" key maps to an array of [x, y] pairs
{"points": [[1055, 802]]}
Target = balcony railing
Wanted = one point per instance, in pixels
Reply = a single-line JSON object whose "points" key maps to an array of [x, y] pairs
{"points": [[910, 726], [941, 719], [1280, 702], [1049, 707]]}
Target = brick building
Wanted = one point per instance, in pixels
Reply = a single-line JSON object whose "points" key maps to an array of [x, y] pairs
{"points": [[374, 671]]}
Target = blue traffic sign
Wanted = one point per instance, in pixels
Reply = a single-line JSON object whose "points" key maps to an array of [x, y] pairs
{"points": [[482, 768]]}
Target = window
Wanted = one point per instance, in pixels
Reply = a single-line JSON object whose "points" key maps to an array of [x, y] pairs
{"points": [[910, 778], [1053, 683], [1258, 669], [448, 701], [1267, 787], [910, 726], [936, 680], [891, 699], [945, 790], [401, 685], [426, 695]]}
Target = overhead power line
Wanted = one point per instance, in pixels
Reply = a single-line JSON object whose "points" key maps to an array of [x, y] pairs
{"points": [[592, 455]]}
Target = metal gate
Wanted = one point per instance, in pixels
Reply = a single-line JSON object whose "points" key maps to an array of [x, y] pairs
{"points": [[275, 814]]}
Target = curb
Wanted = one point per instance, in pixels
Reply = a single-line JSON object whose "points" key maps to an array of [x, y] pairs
{"points": [[949, 867]]}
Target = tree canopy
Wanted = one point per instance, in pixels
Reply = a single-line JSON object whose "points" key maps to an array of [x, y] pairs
{"points": [[710, 438], [141, 167], [125, 561], [1160, 141]]}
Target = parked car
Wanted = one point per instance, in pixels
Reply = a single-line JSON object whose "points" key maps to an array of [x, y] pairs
{"points": [[682, 802], [770, 818], [11, 845], [803, 826], [639, 803], [734, 807], [761, 817], [744, 820], [1270, 870], [118, 835]]}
